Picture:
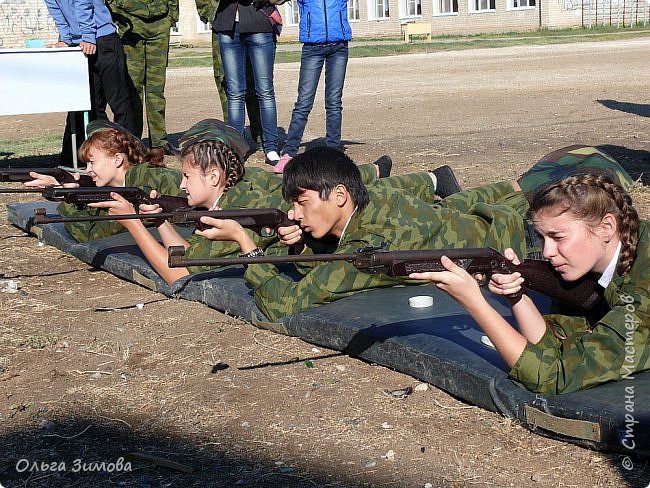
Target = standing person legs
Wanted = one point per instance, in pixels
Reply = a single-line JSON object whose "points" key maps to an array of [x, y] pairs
{"points": [[252, 105], [233, 57], [311, 65], [108, 83], [219, 76], [134, 49], [261, 50], [156, 59], [335, 66], [112, 87]]}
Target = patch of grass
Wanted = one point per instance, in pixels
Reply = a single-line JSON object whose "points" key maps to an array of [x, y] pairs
{"points": [[41, 341], [391, 46], [18, 407], [33, 146]]}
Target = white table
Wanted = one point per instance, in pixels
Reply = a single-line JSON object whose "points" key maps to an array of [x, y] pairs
{"points": [[44, 80]]}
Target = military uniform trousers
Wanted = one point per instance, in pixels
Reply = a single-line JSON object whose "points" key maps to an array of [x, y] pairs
{"points": [[147, 53]]}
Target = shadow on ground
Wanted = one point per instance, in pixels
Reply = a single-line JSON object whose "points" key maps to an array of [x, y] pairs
{"points": [[70, 453], [642, 109], [635, 161], [83, 452]]}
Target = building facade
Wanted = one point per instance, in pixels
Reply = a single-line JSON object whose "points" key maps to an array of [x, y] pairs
{"points": [[377, 18], [29, 19]]}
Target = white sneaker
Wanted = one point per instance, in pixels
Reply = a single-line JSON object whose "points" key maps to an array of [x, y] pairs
{"points": [[272, 157]]}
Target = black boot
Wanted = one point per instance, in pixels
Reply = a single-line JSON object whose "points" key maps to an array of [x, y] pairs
{"points": [[446, 182], [384, 164]]}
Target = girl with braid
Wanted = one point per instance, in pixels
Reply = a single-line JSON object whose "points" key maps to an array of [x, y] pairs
{"points": [[113, 157], [212, 178], [588, 225]]}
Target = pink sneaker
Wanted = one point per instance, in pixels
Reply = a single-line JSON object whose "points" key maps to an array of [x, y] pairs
{"points": [[279, 167]]}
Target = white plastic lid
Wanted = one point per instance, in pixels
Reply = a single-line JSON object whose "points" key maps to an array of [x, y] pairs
{"points": [[421, 301]]}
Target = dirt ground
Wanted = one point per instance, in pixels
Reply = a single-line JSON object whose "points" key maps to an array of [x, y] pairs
{"points": [[238, 406]]}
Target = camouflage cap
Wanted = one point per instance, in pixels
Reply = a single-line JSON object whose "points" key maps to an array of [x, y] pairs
{"points": [[571, 161], [215, 130], [95, 125]]}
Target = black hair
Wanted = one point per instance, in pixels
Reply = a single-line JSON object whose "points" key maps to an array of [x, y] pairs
{"points": [[321, 169]]}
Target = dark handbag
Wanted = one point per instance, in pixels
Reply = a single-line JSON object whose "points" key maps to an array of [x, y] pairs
{"points": [[274, 18]]}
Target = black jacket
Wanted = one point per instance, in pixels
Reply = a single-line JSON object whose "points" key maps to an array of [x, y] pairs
{"points": [[251, 20]]}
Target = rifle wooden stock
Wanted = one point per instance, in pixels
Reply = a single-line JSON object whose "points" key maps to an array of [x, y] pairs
{"points": [[538, 275], [257, 219], [62, 176]]}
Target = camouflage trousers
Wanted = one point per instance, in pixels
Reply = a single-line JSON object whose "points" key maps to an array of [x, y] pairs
{"points": [[252, 103], [147, 53]]}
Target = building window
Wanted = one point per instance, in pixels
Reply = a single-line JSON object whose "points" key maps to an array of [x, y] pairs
{"points": [[523, 3], [202, 27], [410, 8], [353, 10], [441, 7], [379, 9], [291, 15], [482, 5]]}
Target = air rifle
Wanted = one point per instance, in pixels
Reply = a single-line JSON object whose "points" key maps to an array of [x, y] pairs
{"points": [[257, 219], [86, 195], [538, 275], [62, 176]]}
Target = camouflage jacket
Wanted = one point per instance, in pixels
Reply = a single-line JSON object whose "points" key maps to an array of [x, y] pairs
{"points": [[490, 216], [613, 347], [165, 180], [207, 10], [132, 15]]}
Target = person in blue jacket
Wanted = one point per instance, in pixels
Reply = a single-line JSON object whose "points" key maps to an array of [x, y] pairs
{"points": [[324, 31]]}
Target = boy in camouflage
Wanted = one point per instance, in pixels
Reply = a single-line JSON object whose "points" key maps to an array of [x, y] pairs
{"points": [[588, 225], [144, 28]]}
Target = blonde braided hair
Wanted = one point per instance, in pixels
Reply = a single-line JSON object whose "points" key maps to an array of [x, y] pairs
{"points": [[589, 197]]}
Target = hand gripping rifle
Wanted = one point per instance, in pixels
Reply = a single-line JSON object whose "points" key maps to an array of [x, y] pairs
{"points": [[257, 219], [22, 175], [538, 275], [86, 195]]}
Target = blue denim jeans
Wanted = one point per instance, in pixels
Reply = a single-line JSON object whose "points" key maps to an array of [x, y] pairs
{"points": [[335, 58], [260, 47]]}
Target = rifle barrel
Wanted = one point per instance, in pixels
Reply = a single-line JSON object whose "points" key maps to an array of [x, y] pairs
{"points": [[257, 218], [21, 190], [178, 260]]}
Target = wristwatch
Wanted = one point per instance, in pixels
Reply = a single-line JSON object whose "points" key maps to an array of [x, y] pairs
{"points": [[255, 253]]}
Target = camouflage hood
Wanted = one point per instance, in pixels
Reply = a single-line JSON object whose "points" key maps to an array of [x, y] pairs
{"points": [[571, 161]]}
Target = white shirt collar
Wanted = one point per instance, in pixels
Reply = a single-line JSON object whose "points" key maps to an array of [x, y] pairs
{"points": [[215, 205], [347, 223], [608, 274]]}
